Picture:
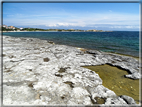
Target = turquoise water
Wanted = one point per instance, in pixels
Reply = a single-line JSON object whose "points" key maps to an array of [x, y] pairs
{"points": [[123, 42]]}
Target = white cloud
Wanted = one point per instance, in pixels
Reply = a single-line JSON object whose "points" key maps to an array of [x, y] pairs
{"points": [[64, 24], [10, 15], [131, 27], [110, 20], [124, 26]]}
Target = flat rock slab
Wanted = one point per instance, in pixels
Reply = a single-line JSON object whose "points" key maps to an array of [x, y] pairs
{"points": [[36, 72]]}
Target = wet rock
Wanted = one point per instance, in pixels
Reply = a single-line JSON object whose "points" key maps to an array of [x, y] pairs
{"points": [[128, 99], [135, 75], [94, 52]]}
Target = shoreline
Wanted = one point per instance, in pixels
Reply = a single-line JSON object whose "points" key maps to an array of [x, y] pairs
{"points": [[57, 31], [42, 68], [85, 50], [136, 57]]}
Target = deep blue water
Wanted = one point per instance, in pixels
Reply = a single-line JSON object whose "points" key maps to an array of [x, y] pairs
{"points": [[123, 42]]}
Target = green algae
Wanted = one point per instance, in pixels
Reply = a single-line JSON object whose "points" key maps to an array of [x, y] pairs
{"points": [[62, 70], [69, 83], [113, 78], [100, 100], [46, 59]]}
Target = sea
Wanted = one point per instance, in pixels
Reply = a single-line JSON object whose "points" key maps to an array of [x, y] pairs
{"points": [[121, 42]]}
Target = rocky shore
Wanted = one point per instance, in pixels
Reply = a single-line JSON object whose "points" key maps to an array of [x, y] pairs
{"points": [[39, 72]]}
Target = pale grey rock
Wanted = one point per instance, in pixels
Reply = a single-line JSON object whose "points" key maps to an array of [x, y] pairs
{"points": [[30, 80], [135, 75], [128, 99], [101, 91], [80, 96], [115, 101], [21, 94]]}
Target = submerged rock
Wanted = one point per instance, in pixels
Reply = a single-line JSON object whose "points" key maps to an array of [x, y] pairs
{"points": [[30, 78]]}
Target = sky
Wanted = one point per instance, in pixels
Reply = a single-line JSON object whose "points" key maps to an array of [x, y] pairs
{"points": [[100, 16]]}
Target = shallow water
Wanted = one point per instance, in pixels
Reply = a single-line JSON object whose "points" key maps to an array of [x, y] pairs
{"points": [[113, 78]]}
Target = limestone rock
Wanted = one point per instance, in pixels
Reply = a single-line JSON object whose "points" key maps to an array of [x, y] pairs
{"points": [[36, 72], [128, 99], [135, 75]]}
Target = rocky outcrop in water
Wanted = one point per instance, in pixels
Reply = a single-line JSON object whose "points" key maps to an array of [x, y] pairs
{"points": [[36, 72]]}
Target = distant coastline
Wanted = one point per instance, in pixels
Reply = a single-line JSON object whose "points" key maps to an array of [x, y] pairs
{"points": [[6, 28], [56, 31]]}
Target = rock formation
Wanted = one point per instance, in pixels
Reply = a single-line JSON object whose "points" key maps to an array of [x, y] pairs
{"points": [[36, 72]]}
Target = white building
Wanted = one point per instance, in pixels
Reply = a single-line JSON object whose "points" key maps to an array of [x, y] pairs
{"points": [[4, 25], [21, 28]]}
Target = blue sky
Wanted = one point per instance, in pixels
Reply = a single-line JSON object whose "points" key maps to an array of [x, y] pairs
{"points": [[101, 16]]}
